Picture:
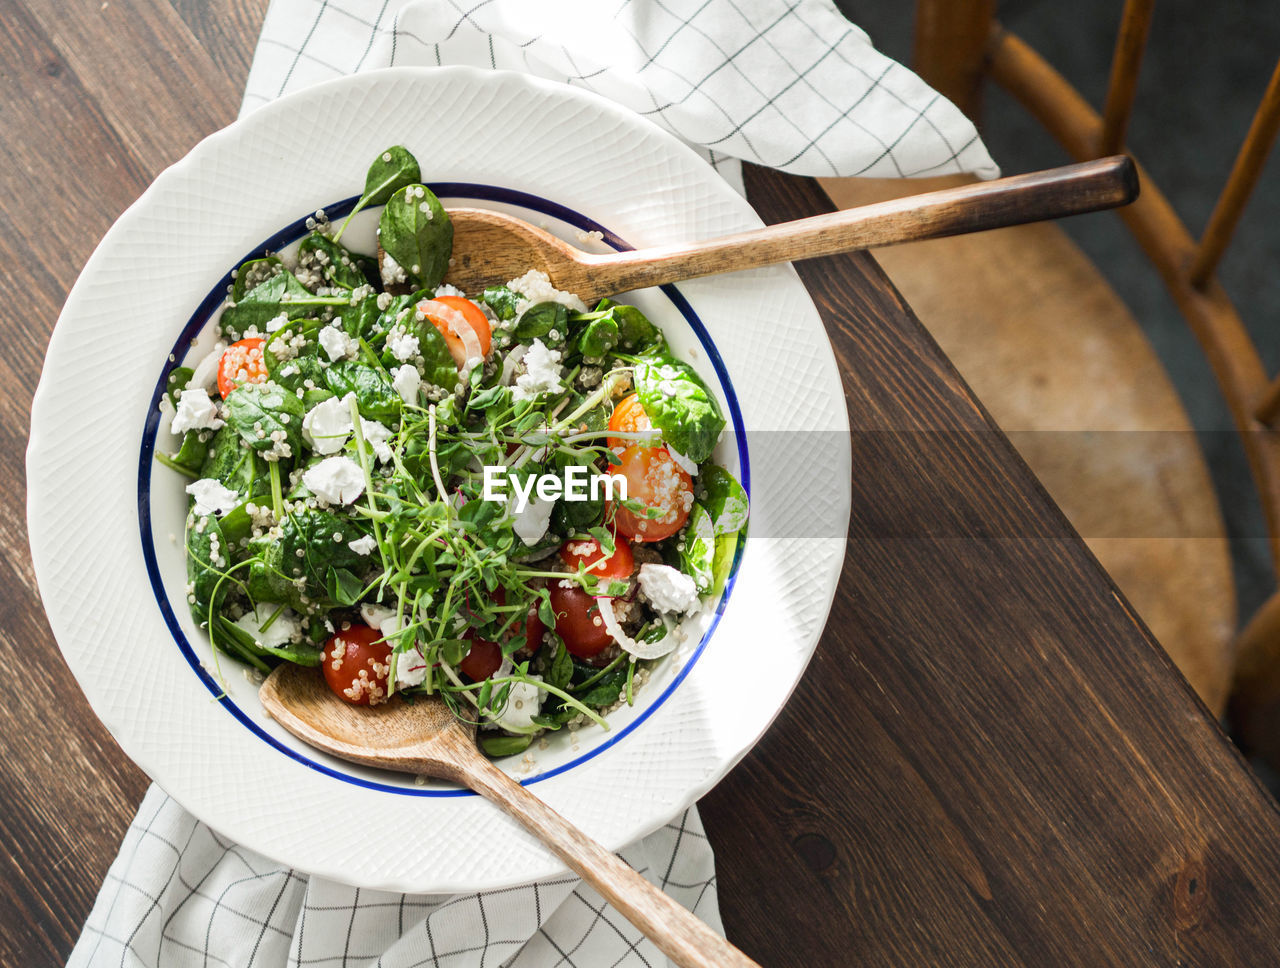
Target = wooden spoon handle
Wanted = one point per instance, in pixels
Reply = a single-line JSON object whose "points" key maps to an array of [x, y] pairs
{"points": [[678, 933], [1054, 193]]}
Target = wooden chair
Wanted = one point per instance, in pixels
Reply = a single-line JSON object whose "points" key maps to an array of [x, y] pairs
{"points": [[1048, 345]]}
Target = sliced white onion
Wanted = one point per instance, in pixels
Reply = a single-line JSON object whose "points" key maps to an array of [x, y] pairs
{"points": [[459, 325], [641, 650], [510, 362], [205, 373]]}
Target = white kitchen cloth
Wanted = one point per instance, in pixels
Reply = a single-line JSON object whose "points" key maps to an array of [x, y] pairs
{"points": [[787, 84], [180, 896], [790, 85]]}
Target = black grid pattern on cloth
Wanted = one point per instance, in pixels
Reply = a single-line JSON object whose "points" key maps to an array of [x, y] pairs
{"points": [[783, 83], [179, 895]]}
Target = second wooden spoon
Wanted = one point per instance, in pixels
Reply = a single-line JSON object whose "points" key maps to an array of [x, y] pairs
{"points": [[425, 738], [491, 248]]}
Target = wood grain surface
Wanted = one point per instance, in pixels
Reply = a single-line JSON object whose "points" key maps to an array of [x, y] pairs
{"points": [[989, 763]]}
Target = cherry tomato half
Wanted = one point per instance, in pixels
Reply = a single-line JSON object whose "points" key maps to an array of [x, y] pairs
{"points": [[628, 417], [472, 313], [482, 660], [241, 363], [356, 664], [588, 552], [578, 620], [656, 481]]}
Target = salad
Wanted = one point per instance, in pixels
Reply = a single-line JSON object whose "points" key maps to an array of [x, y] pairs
{"points": [[503, 498]]}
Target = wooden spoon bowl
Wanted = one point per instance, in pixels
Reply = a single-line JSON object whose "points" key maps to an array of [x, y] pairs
{"points": [[423, 737]]}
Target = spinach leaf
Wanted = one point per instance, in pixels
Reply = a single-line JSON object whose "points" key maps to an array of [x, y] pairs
{"points": [[264, 302], [270, 577], [204, 568], [726, 545], [561, 669], [726, 501], [361, 320], [598, 337], [604, 691], [264, 413], [292, 374], [179, 377], [497, 745], [502, 301], [440, 368], [570, 517], [192, 453], [313, 544], [698, 551], [392, 170], [415, 230], [539, 320], [375, 396], [635, 333], [338, 267], [680, 406], [252, 274], [228, 461]]}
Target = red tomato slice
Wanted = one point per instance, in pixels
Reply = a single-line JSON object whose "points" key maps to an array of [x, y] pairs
{"points": [[242, 363], [482, 660], [578, 620], [589, 553], [656, 481], [628, 417], [356, 664], [446, 324]]}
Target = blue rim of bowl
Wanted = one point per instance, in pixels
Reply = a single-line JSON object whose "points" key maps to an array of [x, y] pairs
{"points": [[200, 318]]}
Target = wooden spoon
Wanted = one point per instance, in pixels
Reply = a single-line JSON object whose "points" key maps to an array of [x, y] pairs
{"points": [[491, 248], [424, 738]]}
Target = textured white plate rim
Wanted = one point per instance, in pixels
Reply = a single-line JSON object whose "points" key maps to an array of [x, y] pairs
{"points": [[44, 499]]}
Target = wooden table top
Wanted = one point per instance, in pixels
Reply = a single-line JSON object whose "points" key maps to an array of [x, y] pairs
{"points": [[989, 761]]}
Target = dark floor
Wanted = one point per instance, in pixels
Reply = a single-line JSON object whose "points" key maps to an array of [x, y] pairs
{"points": [[1205, 69]]}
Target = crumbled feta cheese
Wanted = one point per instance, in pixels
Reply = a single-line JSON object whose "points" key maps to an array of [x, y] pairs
{"points": [[212, 497], [277, 322], [337, 344], [327, 425], [281, 632], [542, 374], [531, 521], [523, 703], [376, 436], [375, 615], [535, 286], [392, 271], [335, 480], [407, 381], [444, 289], [668, 589], [682, 462], [363, 545], [195, 412], [402, 345], [411, 667]]}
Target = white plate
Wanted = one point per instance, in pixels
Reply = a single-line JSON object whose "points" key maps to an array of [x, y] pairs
{"points": [[96, 499]]}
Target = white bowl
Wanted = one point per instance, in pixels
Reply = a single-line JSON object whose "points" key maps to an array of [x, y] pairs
{"points": [[106, 521]]}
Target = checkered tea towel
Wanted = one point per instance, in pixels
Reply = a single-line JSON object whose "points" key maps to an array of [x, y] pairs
{"points": [[783, 83], [786, 84]]}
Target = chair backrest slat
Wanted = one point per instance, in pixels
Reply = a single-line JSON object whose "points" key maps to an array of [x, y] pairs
{"points": [[1240, 184], [1268, 408], [1131, 42]]}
